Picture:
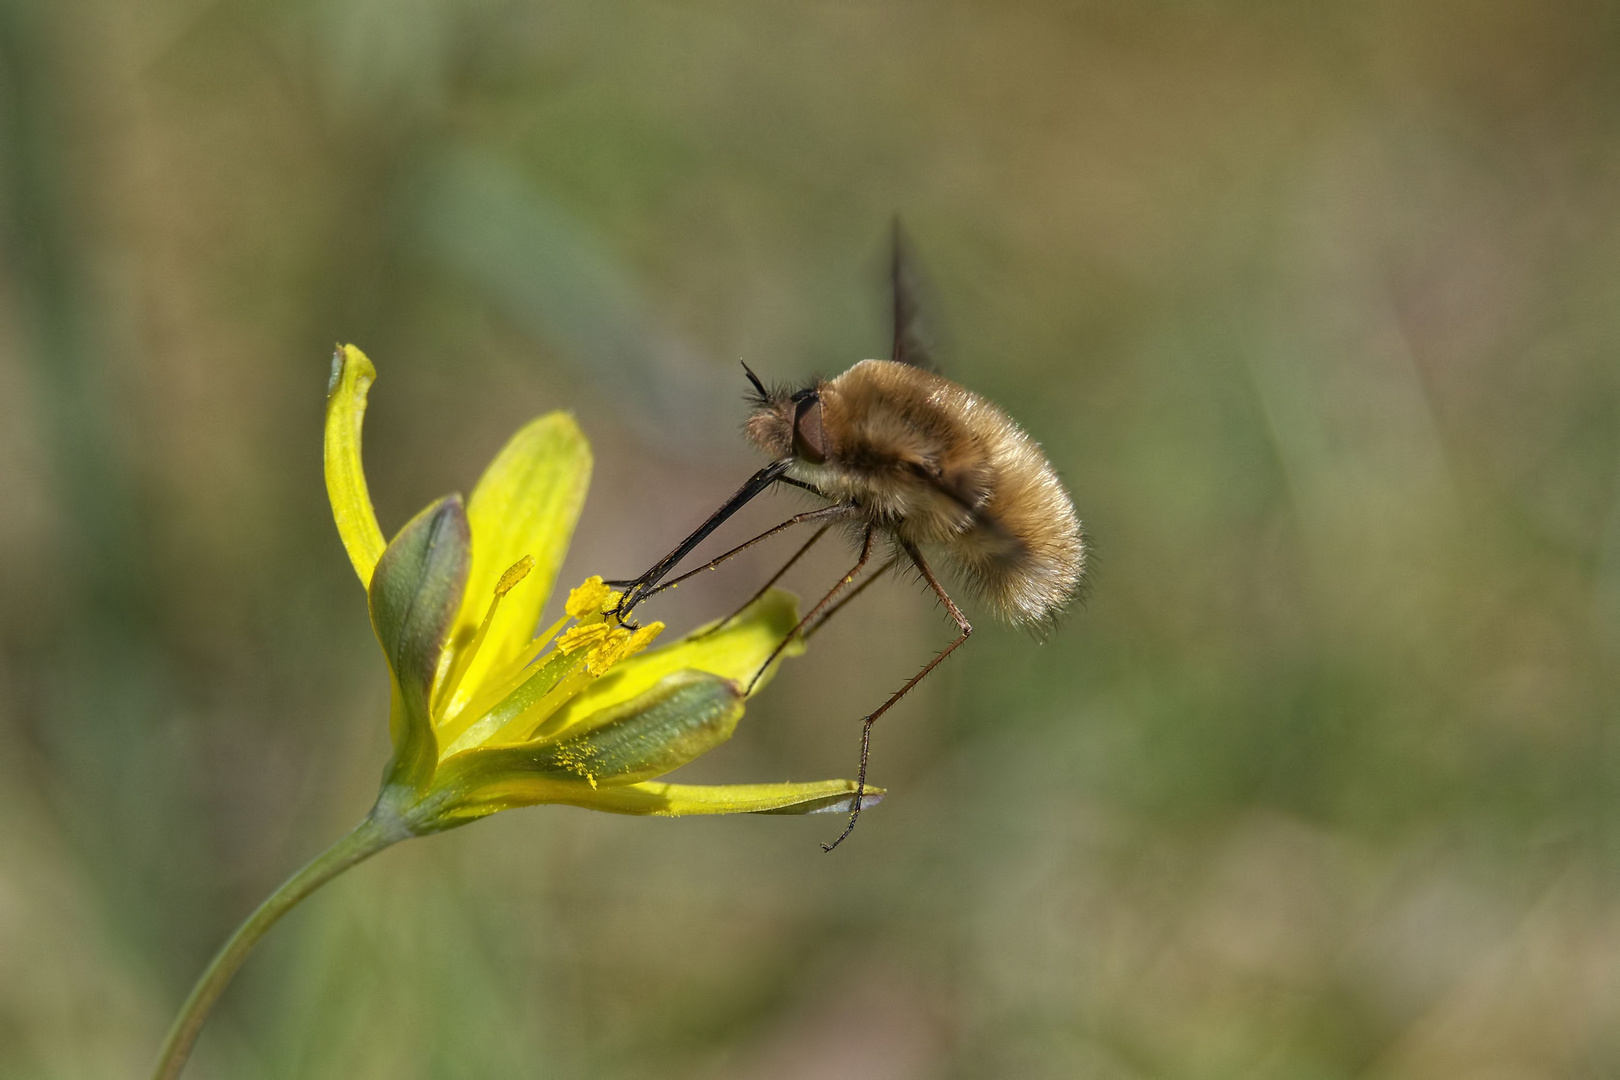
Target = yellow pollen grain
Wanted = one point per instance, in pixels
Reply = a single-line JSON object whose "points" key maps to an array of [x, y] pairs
{"points": [[608, 652], [514, 574], [589, 599], [620, 645], [579, 637], [577, 758]]}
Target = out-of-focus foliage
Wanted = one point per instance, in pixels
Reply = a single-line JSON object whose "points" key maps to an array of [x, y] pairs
{"points": [[1316, 307]]}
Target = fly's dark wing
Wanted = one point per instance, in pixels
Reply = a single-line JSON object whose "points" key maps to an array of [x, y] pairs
{"points": [[911, 343], [968, 490]]}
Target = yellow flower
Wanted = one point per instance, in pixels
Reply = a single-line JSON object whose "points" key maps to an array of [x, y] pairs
{"points": [[488, 715]]}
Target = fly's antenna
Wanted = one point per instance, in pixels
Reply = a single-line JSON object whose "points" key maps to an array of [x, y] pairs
{"points": [[762, 396]]}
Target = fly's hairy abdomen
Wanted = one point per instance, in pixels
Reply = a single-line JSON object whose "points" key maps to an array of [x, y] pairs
{"points": [[939, 466]]}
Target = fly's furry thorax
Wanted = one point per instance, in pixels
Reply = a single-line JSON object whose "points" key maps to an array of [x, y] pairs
{"points": [[936, 466]]}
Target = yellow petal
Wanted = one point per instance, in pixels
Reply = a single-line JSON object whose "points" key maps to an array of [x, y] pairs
{"points": [[682, 800], [456, 660], [652, 797], [526, 503], [352, 376], [734, 652]]}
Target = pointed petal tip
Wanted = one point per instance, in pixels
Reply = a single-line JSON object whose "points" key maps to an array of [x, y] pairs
{"points": [[841, 803], [446, 510], [452, 503], [349, 358]]}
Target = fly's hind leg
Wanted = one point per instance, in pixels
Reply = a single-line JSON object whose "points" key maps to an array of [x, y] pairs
{"points": [[871, 579], [965, 628], [821, 605]]}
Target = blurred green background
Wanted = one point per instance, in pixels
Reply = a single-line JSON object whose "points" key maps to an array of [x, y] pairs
{"points": [[1316, 308]]}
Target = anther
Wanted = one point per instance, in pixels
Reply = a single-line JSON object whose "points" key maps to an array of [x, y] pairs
{"points": [[514, 574]]}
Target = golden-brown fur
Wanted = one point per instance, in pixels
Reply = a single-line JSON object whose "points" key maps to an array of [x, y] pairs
{"points": [[935, 465]]}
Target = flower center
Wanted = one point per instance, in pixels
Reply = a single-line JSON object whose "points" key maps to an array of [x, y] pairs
{"points": [[516, 700]]}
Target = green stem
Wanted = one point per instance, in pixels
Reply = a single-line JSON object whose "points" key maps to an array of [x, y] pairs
{"points": [[366, 839]]}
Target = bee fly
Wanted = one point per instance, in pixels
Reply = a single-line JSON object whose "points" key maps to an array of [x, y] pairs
{"points": [[904, 455]]}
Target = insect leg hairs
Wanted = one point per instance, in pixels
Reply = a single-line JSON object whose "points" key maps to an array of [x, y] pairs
{"points": [[966, 629], [821, 605], [819, 514], [772, 580], [871, 580]]}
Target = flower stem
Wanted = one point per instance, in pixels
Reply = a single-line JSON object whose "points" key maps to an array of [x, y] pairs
{"points": [[365, 840]]}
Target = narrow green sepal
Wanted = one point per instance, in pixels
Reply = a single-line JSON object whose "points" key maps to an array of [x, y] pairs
{"points": [[415, 593]]}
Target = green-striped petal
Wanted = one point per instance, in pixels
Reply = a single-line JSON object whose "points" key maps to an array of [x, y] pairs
{"points": [[682, 717], [414, 595], [352, 376]]}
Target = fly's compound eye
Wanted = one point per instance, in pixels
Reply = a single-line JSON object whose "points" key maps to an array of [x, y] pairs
{"points": [[809, 438]]}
